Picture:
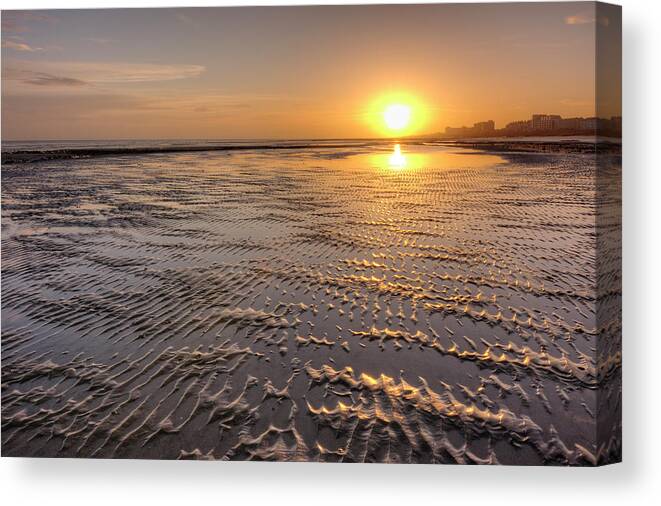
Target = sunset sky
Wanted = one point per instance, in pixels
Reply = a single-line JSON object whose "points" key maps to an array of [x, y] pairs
{"points": [[292, 72]]}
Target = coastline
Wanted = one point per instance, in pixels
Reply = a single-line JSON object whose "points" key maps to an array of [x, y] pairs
{"points": [[602, 146]]}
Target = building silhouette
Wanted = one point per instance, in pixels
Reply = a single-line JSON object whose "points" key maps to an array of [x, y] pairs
{"points": [[482, 128], [542, 124]]}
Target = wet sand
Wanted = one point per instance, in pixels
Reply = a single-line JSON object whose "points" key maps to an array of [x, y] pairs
{"points": [[436, 304]]}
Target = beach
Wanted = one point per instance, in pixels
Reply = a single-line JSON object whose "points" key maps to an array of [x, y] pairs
{"points": [[340, 302]]}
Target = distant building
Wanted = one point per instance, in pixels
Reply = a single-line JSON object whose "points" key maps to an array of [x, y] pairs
{"points": [[588, 124], [571, 123], [543, 124], [546, 121], [518, 127], [479, 129], [456, 132], [484, 127]]}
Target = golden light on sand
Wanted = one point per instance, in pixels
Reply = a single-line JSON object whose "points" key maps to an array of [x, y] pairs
{"points": [[397, 116]]}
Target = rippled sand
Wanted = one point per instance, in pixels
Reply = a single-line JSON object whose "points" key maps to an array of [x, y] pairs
{"points": [[433, 304]]}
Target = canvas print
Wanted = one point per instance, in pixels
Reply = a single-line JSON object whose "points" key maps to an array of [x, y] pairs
{"points": [[367, 234]]}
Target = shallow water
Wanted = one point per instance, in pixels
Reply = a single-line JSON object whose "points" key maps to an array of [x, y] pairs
{"points": [[357, 304]]}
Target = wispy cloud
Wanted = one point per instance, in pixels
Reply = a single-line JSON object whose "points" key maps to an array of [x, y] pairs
{"points": [[120, 73], [42, 79], [20, 46], [102, 74], [134, 72]]}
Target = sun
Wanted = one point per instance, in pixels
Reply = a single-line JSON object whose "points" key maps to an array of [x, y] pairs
{"points": [[397, 116]]}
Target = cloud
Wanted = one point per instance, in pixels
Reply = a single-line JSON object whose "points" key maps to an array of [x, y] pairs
{"points": [[134, 72], [42, 79], [97, 74], [121, 73], [20, 46]]}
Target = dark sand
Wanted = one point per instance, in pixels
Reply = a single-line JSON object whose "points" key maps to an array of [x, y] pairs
{"points": [[320, 304]]}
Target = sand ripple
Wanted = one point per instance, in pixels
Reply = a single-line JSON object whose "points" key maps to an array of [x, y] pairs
{"points": [[313, 305]]}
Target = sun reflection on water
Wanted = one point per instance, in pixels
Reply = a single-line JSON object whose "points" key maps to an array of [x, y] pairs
{"points": [[397, 160], [402, 158]]}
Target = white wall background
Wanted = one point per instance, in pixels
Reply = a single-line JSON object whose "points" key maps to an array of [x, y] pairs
{"points": [[637, 481]]}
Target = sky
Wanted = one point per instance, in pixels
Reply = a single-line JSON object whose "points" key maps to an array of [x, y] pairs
{"points": [[299, 72]]}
